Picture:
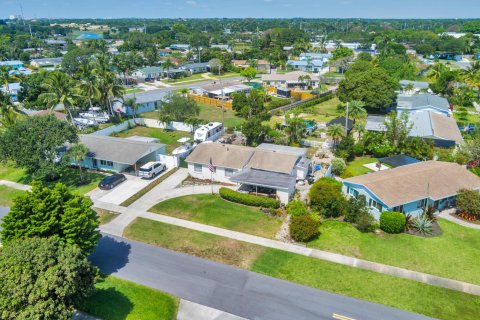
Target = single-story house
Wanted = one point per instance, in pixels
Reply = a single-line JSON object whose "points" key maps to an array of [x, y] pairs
{"points": [[423, 102], [398, 160], [443, 130], [196, 67], [291, 80], [341, 121], [164, 52], [218, 90], [56, 42], [118, 154], [13, 89], [240, 63], [417, 86], [46, 62], [306, 65], [412, 188], [225, 47], [14, 64], [268, 169], [263, 66], [180, 47], [148, 72], [146, 101], [315, 56]]}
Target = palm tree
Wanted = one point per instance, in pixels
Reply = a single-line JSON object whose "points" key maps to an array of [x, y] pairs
{"points": [[6, 77], [77, 153], [8, 112], [471, 75], [356, 110], [436, 71], [193, 122], [168, 65], [110, 88], [88, 86], [132, 103], [60, 89], [336, 132], [360, 129], [166, 119]]}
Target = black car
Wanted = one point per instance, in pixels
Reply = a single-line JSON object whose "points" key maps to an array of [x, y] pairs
{"points": [[111, 181]]}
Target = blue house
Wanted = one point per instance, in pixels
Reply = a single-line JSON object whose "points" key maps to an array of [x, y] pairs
{"points": [[306, 65], [14, 64], [146, 101], [118, 154], [412, 188], [196, 67]]}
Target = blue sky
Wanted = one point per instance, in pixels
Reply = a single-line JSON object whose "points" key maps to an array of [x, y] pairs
{"points": [[242, 8]]}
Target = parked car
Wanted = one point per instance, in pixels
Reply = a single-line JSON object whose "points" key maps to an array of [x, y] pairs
{"points": [[151, 169], [112, 181]]}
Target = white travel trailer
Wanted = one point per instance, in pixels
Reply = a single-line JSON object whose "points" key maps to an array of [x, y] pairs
{"points": [[209, 132]]}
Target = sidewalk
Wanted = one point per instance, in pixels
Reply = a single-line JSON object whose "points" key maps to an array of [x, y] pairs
{"points": [[15, 185], [117, 226], [188, 311]]}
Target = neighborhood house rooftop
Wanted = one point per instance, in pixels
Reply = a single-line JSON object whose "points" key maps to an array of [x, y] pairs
{"points": [[430, 179], [422, 100], [118, 149]]}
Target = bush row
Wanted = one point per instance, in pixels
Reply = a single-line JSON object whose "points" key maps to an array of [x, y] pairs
{"points": [[248, 199], [392, 222]]}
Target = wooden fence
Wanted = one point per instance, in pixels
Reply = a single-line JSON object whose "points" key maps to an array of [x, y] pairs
{"points": [[211, 102], [299, 103]]}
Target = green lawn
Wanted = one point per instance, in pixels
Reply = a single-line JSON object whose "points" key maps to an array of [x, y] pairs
{"points": [[225, 75], [196, 76], [209, 113], [134, 90], [117, 299], [166, 137], [325, 111], [213, 210], [454, 254], [467, 118], [356, 168], [70, 178], [7, 195], [400, 293], [105, 216]]}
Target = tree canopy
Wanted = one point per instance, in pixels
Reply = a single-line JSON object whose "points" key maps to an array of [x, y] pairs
{"points": [[34, 142], [178, 107], [46, 212], [43, 278]]}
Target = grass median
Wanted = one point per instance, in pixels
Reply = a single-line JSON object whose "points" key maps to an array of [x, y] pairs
{"points": [[367, 285]]}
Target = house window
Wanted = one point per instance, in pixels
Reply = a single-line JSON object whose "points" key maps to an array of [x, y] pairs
{"points": [[228, 172], [355, 194], [375, 204], [197, 167], [106, 163], [421, 203]]}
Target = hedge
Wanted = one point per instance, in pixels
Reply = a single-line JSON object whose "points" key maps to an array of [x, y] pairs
{"points": [[392, 222], [297, 208], [248, 199]]}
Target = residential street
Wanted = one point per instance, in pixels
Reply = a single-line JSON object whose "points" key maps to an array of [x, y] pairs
{"points": [[226, 288]]}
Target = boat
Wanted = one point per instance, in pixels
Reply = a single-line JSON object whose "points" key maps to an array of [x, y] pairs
{"points": [[96, 114], [209, 132], [84, 122], [185, 149]]}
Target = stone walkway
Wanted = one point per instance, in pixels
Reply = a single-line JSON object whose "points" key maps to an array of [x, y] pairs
{"points": [[117, 226], [447, 216]]}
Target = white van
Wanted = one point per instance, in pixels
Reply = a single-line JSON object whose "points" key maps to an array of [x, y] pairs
{"points": [[151, 169]]}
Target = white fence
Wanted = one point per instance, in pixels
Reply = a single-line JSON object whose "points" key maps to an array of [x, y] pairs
{"points": [[119, 127], [179, 126], [170, 161], [312, 143]]}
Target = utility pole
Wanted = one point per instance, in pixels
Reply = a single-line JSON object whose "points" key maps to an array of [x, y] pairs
{"points": [[223, 97], [346, 121]]}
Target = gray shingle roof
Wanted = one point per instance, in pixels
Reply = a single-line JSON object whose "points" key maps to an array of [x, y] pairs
{"points": [[117, 150], [422, 100], [263, 178], [147, 96]]}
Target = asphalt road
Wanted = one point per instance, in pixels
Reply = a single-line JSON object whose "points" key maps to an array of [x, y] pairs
{"points": [[229, 289]]}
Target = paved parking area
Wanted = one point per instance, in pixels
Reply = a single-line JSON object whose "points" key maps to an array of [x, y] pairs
{"points": [[123, 191]]}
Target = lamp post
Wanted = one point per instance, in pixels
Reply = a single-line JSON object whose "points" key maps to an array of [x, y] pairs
{"points": [[346, 121]]}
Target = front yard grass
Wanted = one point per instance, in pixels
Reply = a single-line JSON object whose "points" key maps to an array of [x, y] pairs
{"points": [[117, 299], [454, 254], [395, 292], [105, 216], [356, 168], [7, 195], [70, 177], [166, 137], [213, 210]]}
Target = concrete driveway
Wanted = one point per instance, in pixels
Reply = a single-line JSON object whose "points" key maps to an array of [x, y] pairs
{"points": [[122, 191]]}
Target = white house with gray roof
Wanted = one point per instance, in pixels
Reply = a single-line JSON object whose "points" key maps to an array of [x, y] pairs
{"points": [[423, 102], [268, 169]]}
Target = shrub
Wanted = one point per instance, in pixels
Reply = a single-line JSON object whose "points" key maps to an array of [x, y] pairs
{"points": [[326, 197], [392, 222], [297, 208], [365, 221], [469, 201], [248, 199], [338, 166], [304, 228]]}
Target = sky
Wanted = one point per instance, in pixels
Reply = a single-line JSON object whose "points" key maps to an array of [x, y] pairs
{"points": [[242, 8]]}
